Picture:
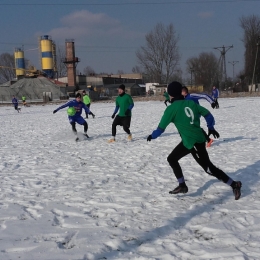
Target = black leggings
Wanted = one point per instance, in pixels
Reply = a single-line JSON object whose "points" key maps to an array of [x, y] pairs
{"points": [[73, 124], [88, 105], [201, 156], [123, 121], [216, 102]]}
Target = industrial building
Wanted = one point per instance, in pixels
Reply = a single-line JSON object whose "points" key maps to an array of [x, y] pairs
{"points": [[44, 84]]}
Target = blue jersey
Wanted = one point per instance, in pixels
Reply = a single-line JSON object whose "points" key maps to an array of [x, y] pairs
{"points": [[195, 97], [15, 102], [215, 93], [77, 105]]}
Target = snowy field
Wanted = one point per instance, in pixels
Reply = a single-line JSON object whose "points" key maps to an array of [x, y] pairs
{"points": [[93, 200]]}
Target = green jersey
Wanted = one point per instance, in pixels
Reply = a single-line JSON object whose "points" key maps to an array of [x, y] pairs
{"points": [[185, 114], [166, 95], [123, 102], [86, 99]]}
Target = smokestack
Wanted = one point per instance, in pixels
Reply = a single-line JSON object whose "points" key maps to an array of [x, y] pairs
{"points": [[71, 62]]}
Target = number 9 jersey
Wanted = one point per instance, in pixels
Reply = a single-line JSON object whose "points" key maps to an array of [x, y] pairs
{"points": [[185, 114]]}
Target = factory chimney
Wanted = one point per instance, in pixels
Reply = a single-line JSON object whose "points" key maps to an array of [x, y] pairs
{"points": [[71, 62]]}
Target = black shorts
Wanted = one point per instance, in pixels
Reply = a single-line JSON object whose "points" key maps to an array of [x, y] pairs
{"points": [[122, 121]]}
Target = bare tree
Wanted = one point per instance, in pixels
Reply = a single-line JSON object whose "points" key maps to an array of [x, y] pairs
{"points": [[61, 67], [89, 71], [241, 85], [120, 72], [8, 71], [176, 76], [251, 27], [203, 69], [137, 69], [160, 56]]}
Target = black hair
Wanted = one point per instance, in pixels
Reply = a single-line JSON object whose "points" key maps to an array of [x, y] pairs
{"points": [[122, 86], [78, 95], [185, 89]]}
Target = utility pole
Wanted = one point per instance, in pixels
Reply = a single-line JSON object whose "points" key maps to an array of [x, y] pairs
{"points": [[222, 61], [257, 45], [233, 63]]}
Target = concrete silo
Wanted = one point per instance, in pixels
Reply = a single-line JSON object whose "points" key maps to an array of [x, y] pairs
{"points": [[46, 49], [19, 62]]}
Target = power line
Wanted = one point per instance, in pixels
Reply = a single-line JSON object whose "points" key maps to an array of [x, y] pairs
{"points": [[104, 46], [124, 4], [17, 43]]}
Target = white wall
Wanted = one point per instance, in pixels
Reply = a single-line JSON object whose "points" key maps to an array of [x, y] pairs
{"points": [[150, 86], [254, 88]]}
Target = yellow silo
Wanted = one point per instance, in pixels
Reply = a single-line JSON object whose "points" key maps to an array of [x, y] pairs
{"points": [[19, 62], [46, 45]]}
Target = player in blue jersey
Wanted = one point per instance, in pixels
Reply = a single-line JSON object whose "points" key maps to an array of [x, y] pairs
{"points": [[196, 97], [76, 117], [215, 95], [15, 103]]}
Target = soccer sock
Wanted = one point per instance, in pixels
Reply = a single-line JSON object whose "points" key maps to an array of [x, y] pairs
{"points": [[181, 181]]}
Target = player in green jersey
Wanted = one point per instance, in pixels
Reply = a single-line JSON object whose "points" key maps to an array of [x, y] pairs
{"points": [[87, 102], [124, 103], [185, 114], [167, 98]]}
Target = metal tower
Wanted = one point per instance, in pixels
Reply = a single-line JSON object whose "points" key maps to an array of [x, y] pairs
{"points": [[233, 63], [222, 62]]}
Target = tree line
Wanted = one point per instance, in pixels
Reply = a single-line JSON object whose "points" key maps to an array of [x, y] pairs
{"points": [[158, 60]]}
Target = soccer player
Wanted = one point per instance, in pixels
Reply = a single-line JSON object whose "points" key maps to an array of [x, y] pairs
{"points": [[124, 103], [167, 98], [185, 114], [87, 102], [215, 95], [74, 113], [15, 103]]}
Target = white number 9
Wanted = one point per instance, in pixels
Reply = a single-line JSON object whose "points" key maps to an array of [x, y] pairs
{"points": [[189, 113]]}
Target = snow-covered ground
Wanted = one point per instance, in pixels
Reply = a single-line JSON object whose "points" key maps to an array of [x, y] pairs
{"points": [[93, 200]]}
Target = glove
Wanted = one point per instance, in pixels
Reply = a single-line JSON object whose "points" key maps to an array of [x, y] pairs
{"points": [[113, 116], [128, 112], [213, 105], [214, 133], [55, 111], [149, 138]]}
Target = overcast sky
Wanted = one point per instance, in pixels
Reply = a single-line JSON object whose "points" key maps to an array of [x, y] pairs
{"points": [[107, 33]]}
